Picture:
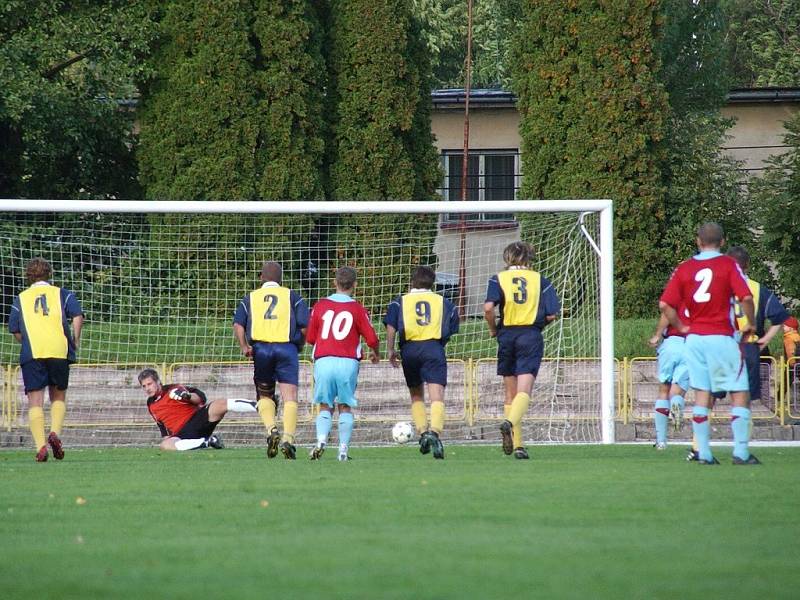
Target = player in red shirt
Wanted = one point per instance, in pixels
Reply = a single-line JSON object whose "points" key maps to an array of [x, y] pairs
{"points": [[708, 284], [183, 414], [335, 329]]}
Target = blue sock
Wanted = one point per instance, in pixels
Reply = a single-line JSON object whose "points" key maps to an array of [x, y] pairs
{"points": [[701, 427], [345, 428], [324, 424], [678, 399], [740, 424], [661, 417]]}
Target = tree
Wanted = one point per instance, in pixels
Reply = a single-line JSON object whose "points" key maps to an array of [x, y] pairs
{"points": [[778, 195], [701, 183], [382, 142], [65, 69], [592, 124], [764, 42]]}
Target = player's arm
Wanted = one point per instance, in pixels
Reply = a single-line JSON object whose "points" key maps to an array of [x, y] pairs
{"points": [[391, 353], [241, 337], [671, 315], [552, 304], [367, 331], [77, 325], [13, 321], [656, 338], [489, 317]]}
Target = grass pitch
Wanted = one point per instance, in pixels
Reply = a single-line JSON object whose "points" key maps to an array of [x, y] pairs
{"points": [[573, 522]]}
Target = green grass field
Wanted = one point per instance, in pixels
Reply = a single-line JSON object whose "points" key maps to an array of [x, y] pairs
{"points": [[574, 522]]}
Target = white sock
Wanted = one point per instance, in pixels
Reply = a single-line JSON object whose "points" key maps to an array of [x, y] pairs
{"points": [[190, 444], [241, 405]]}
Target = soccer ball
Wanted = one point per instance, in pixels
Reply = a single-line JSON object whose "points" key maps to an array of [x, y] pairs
{"points": [[402, 432]]}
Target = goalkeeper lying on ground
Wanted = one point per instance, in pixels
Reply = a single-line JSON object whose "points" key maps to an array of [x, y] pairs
{"points": [[183, 414]]}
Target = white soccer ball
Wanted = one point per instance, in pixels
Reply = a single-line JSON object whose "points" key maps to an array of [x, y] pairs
{"points": [[402, 432]]}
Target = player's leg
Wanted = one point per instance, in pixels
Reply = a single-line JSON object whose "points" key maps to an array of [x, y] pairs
{"points": [[436, 395], [528, 351], [416, 389], [697, 349], [58, 374], [217, 409], [730, 372], [181, 445], [264, 378], [506, 362], [510, 390], [324, 396], [433, 370], [346, 381], [287, 372], [661, 415], [35, 380]]}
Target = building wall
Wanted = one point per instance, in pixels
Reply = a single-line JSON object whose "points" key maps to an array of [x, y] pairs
{"points": [[758, 132], [489, 128]]}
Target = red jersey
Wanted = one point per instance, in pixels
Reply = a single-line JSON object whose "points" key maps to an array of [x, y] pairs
{"points": [[336, 329], [707, 286], [171, 415]]}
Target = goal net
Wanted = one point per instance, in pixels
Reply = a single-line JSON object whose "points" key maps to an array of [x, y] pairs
{"points": [[159, 282]]}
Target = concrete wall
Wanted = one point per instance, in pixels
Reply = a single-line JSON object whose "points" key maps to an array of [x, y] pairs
{"points": [[496, 128]]}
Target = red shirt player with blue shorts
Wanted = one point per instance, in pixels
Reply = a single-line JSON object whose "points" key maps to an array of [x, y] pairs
{"points": [[708, 284], [335, 329]]}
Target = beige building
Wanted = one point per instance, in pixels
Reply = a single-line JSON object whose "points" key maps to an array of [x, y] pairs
{"points": [[494, 166]]}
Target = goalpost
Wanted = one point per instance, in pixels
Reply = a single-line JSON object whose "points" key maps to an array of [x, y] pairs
{"points": [[159, 282]]}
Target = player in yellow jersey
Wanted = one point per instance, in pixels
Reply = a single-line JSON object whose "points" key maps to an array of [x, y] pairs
{"points": [[39, 320], [270, 325], [527, 302], [424, 322]]}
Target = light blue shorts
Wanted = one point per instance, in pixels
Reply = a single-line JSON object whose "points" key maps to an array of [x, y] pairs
{"points": [[671, 366], [335, 380], [715, 363]]}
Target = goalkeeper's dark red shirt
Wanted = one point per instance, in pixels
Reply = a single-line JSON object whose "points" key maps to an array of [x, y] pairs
{"points": [[171, 415]]}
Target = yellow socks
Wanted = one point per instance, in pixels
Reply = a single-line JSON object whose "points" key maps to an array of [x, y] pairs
{"points": [[519, 406], [36, 423], [418, 416], [58, 410], [516, 431], [437, 416], [266, 410], [289, 421]]}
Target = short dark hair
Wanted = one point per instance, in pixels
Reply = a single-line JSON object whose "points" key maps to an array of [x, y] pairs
{"points": [[272, 271], [149, 374], [38, 269], [423, 278], [346, 277], [741, 256], [710, 234], [518, 254]]}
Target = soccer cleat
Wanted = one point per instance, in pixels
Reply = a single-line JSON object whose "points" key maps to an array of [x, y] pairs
{"points": [[660, 446], [273, 442], [508, 441], [343, 457], [215, 441], [289, 451], [751, 460], [425, 442], [693, 455], [713, 461], [316, 452], [521, 454], [676, 414], [55, 445], [41, 455], [436, 445]]}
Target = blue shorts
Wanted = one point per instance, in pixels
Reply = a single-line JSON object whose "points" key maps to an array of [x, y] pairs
{"points": [[40, 373], [335, 380], [424, 362], [715, 363], [519, 351], [276, 362], [671, 366]]}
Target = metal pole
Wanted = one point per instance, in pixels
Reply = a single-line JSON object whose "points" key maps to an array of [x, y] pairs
{"points": [[462, 267]]}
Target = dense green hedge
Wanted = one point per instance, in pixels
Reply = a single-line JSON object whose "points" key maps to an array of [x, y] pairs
{"points": [[593, 121]]}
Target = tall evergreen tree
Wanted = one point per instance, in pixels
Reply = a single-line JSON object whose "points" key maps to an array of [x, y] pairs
{"points": [[592, 124], [382, 141], [233, 113]]}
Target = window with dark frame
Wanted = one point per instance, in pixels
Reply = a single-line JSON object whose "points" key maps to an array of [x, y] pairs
{"points": [[491, 175]]}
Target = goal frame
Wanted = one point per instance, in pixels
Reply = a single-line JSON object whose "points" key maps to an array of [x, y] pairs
{"points": [[605, 247]]}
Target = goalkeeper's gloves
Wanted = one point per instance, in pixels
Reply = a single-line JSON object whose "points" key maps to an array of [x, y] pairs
{"points": [[180, 393]]}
